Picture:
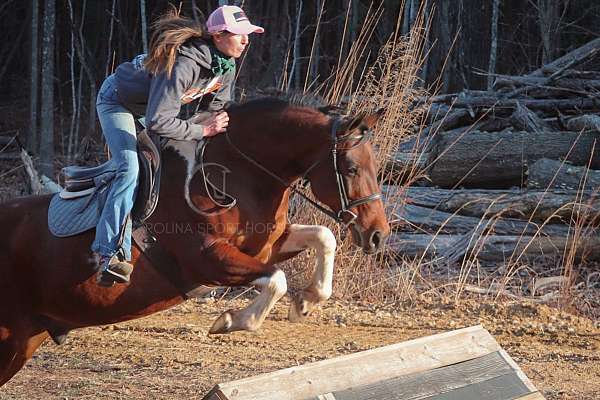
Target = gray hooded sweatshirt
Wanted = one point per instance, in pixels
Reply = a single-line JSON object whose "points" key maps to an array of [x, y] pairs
{"points": [[159, 97]]}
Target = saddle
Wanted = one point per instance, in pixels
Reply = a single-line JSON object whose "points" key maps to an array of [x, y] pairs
{"points": [[77, 207]]}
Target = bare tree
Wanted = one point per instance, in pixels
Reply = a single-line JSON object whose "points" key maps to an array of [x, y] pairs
{"points": [[445, 44], [493, 43], [411, 8], [313, 62], [144, 25], [549, 16], [47, 103], [33, 89], [109, 56], [295, 71]]}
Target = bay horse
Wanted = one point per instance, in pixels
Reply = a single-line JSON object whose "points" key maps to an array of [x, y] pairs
{"points": [[48, 282]]}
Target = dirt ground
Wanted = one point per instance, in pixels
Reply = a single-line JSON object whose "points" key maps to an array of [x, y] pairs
{"points": [[170, 356]]}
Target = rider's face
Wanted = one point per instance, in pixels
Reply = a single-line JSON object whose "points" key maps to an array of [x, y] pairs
{"points": [[230, 44]]}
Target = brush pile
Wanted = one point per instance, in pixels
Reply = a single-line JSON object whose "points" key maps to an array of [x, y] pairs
{"points": [[508, 173]]}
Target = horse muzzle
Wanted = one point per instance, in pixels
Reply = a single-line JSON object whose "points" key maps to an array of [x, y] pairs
{"points": [[370, 241]]}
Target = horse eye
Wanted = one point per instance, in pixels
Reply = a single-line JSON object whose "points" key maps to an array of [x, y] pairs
{"points": [[353, 171]]}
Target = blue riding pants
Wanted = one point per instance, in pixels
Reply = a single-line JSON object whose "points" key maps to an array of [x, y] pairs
{"points": [[118, 127]]}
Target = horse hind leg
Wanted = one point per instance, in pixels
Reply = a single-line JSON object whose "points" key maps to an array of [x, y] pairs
{"points": [[17, 344], [57, 332]]}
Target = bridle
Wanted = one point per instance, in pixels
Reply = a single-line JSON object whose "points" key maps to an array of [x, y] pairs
{"points": [[345, 215]]}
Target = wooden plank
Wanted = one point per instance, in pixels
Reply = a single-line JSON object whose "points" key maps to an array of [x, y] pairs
{"points": [[365, 367], [215, 394], [517, 369], [504, 387], [423, 385]]}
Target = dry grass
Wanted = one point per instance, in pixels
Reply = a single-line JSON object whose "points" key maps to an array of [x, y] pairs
{"points": [[568, 282]]}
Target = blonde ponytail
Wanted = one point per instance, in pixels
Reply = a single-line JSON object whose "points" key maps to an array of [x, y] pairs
{"points": [[170, 31]]}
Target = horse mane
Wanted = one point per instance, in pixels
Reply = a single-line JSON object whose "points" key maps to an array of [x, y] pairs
{"points": [[286, 99]]}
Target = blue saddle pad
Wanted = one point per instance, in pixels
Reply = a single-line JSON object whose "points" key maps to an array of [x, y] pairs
{"points": [[73, 216]]}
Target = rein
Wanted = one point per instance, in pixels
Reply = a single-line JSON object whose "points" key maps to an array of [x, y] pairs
{"points": [[345, 202]]}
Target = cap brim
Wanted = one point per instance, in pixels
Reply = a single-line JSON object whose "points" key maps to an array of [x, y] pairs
{"points": [[245, 29]]}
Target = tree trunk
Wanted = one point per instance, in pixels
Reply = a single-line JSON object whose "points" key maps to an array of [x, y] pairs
{"points": [[445, 44], [295, 70], [47, 102], [311, 70], [494, 43], [549, 22], [500, 159], [144, 25], [33, 89], [109, 55], [546, 173]]}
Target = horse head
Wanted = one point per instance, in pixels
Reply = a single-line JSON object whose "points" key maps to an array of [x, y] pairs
{"points": [[347, 181]]}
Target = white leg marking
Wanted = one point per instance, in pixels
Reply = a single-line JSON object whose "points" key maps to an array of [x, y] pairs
{"points": [[320, 288], [252, 317]]}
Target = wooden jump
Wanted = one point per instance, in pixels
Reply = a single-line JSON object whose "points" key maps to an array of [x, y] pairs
{"points": [[465, 364]]}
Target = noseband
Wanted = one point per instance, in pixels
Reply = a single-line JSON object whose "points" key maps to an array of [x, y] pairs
{"points": [[345, 216]]}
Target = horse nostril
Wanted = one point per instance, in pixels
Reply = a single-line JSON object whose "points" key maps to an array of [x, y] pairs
{"points": [[375, 239]]}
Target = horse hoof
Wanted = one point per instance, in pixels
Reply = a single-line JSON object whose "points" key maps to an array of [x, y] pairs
{"points": [[222, 324], [298, 311]]}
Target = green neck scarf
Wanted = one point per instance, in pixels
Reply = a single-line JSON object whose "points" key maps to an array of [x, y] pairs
{"points": [[220, 63]]}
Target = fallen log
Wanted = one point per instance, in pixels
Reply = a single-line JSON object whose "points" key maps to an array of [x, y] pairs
{"points": [[7, 140], [545, 173], [571, 58], [492, 248], [509, 81], [536, 205], [584, 123], [407, 162], [500, 159], [547, 105], [13, 155], [451, 120], [412, 218]]}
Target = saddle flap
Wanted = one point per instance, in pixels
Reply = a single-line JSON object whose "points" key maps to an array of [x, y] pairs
{"points": [[149, 177], [150, 149]]}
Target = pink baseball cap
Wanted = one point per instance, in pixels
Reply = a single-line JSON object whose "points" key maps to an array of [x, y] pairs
{"points": [[231, 19]]}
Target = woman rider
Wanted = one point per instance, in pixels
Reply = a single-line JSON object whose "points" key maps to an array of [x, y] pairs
{"points": [[183, 65]]}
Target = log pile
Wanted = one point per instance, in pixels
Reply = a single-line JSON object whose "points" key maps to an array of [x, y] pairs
{"points": [[512, 170]]}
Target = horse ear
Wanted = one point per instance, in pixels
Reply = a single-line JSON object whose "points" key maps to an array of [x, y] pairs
{"points": [[363, 119], [371, 120], [331, 109], [350, 123]]}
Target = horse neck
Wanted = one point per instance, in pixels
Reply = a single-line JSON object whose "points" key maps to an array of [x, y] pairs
{"points": [[287, 144]]}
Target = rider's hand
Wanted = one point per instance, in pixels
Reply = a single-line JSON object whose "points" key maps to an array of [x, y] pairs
{"points": [[216, 124]]}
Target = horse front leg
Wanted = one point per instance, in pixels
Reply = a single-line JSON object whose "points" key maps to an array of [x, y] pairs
{"points": [[320, 287], [231, 267]]}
